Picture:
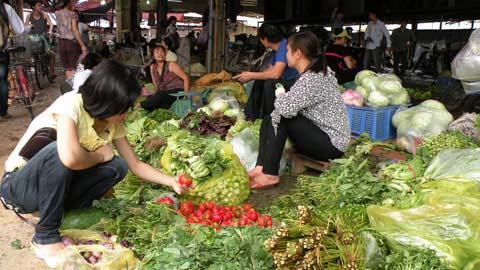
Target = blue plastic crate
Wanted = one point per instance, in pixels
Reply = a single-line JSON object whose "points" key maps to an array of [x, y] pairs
{"points": [[377, 122]]}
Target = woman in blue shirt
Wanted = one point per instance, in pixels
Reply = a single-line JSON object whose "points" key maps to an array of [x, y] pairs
{"points": [[260, 101]]}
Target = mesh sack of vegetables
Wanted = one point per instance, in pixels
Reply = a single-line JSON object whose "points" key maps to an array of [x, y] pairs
{"points": [[86, 250], [216, 171], [446, 224]]}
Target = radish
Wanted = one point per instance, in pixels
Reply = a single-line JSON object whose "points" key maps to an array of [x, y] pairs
{"points": [[108, 245], [68, 241], [92, 259], [97, 254]]}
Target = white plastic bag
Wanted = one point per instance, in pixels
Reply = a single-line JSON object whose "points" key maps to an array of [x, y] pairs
{"points": [[466, 64], [245, 146]]}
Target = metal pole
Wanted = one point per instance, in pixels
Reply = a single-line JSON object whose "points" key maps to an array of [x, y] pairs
{"points": [[210, 37]]}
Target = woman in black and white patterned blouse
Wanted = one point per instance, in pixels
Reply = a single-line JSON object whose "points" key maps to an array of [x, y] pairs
{"points": [[312, 114]]}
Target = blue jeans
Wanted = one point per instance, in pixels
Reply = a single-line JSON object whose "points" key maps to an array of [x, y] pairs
{"points": [[46, 185], [3, 84]]}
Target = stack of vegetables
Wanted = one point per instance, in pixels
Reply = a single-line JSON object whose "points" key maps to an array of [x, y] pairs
{"points": [[214, 124], [414, 124], [216, 172], [380, 90]]}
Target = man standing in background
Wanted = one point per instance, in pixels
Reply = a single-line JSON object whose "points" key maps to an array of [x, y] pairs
{"points": [[376, 30], [402, 40]]}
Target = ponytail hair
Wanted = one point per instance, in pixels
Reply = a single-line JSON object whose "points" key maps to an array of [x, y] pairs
{"points": [[307, 42]]}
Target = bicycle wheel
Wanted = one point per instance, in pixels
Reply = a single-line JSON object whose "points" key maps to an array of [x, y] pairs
{"points": [[26, 82], [46, 67], [39, 71], [22, 93]]}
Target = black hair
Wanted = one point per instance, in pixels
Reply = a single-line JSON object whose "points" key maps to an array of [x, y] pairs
{"points": [[171, 18], [81, 17], [337, 30], [307, 42], [169, 42], [111, 90], [372, 11], [91, 60], [33, 3], [339, 11], [65, 3], [271, 32]]}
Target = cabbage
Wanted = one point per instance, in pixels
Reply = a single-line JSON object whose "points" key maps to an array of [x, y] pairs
{"points": [[433, 104], [377, 99], [219, 105], [362, 74], [422, 119], [236, 113], [364, 92], [389, 87], [400, 98], [206, 110], [369, 83], [401, 116], [442, 117], [390, 77]]}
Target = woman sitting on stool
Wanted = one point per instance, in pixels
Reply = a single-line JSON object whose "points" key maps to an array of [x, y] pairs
{"points": [[168, 78], [312, 114]]}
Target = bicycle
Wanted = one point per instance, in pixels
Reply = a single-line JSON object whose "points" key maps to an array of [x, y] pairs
{"points": [[41, 60], [21, 80]]}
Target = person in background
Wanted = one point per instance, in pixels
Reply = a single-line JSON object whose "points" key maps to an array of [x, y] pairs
{"points": [[374, 34], [80, 165], [70, 43], [172, 26], [339, 58], [84, 28], [41, 25], [312, 114], [260, 101], [85, 69], [402, 40], [337, 18], [10, 20], [168, 43], [168, 78]]}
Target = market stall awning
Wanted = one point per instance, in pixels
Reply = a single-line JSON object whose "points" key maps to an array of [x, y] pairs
{"points": [[98, 12]]}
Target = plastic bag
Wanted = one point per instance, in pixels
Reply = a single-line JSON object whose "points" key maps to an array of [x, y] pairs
{"points": [[466, 62], [466, 125], [230, 101], [353, 98], [118, 258], [245, 146], [447, 224], [232, 187], [455, 164], [414, 124]]}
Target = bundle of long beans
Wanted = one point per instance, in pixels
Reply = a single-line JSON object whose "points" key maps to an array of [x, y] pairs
{"points": [[313, 242]]}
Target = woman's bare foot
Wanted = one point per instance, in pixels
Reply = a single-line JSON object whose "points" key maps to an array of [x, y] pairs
{"points": [[48, 252], [263, 181], [256, 171]]}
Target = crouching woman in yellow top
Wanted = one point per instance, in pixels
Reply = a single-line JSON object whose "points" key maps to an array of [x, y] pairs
{"points": [[80, 166]]}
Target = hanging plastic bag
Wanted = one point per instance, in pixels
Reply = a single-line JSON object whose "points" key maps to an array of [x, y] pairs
{"points": [[447, 224], [111, 256], [353, 98], [466, 62]]}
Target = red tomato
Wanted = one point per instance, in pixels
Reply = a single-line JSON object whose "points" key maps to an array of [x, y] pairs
{"points": [[247, 207], [210, 205], [187, 208], [261, 221], [216, 217], [242, 222], [166, 200], [236, 211], [198, 213], [267, 221], [227, 223], [252, 215], [202, 206], [184, 180]]}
